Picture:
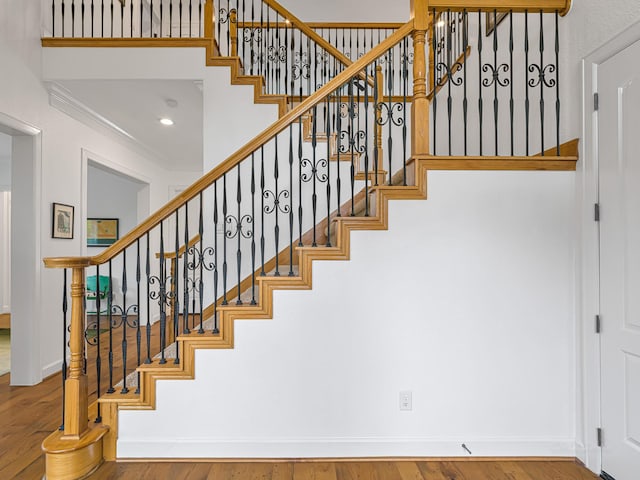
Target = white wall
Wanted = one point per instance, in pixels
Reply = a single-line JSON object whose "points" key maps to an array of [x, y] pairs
{"points": [[466, 301], [58, 163], [349, 11]]}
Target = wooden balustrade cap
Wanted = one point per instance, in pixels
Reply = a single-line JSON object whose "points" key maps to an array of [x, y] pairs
{"points": [[68, 262]]}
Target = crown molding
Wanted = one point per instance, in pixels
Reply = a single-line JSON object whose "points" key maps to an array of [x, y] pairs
{"points": [[61, 99]]}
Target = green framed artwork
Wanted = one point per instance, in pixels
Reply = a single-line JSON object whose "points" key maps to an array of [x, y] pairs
{"points": [[102, 232]]}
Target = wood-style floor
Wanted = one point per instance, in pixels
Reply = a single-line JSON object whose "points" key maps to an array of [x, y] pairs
{"points": [[29, 414]]}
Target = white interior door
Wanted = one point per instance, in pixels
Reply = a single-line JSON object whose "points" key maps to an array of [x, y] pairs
{"points": [[619, 183]]}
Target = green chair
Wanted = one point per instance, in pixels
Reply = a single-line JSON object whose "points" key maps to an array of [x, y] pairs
{"points": [[92, 293]]}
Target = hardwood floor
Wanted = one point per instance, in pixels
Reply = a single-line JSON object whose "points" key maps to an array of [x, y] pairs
{"points": [[381, 470]]}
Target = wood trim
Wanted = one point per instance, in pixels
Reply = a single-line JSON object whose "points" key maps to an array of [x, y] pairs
{"points": [[126, 42], [351, 459], [73, 459], [240, 155], [352, 25], [5, 320], [547, 6], [548, 163], [567, 149]]}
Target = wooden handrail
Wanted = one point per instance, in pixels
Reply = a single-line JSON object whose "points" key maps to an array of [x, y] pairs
{"points": [[237, 157], [546, 6]]}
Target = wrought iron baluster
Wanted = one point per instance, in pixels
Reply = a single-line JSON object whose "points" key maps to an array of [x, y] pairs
{"points": [[300, 212], [495, 81], [138, 337], [262, 239], [101, 19], [480, 66], [390, 75], [434, 92], [203, 251], [65, 307], [62, 16], [170, 18], [351, 139], [511, 102], [224, 240], [526, 80], [376, 139], [175, 287], [557, 50], [405, 90], [180, 18], [542, 84], [92, 19], [291, 200], [239, 220], [148, 326], [111, 18], [253, 229], [124, 322], [449, 72], [162, 297], [366, 140], [82, 16], [465, 102], [186, 286], [216, 330], [53, 34], [328, 137], [73, 18], [97, 340], [110, 303]]}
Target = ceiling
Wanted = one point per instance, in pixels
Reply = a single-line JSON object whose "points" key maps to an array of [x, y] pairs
{"points": [[133, 108]]}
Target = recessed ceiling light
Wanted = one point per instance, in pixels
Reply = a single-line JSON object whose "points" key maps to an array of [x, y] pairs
{"points": [[166, 121], [440, 23]]}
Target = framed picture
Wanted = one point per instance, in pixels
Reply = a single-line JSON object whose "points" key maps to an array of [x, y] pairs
{"points": [[62, 221], [490, 24], [102, 232]]}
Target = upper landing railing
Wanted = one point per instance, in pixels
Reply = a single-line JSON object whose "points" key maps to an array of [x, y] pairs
{"points": [[293, 57]]}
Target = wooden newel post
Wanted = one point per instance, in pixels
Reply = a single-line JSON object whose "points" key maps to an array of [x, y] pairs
{"points": [[77, 450], [420, 104], [209, 19], [76, 407]]}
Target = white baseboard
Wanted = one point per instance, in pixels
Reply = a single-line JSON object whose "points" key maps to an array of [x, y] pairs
{"points": [[52, 368], [342, 448]]}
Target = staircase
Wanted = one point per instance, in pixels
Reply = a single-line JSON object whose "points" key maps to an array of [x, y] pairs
{"points": [[353, 133]]}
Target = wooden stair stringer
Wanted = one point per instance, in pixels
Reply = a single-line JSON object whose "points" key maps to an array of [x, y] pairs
{"points": [[228, 314], [257, 82]]}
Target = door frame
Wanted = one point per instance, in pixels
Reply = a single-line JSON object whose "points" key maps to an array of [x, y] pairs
{"points": [[26, 368], [588, 269]]}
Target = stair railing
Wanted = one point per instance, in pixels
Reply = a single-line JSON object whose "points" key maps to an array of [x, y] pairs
{"points": [[250, 214]]}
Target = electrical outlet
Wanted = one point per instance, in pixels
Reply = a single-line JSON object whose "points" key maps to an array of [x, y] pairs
{"points": [[405, 401]]}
